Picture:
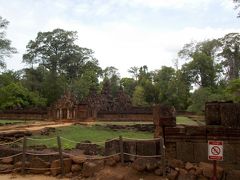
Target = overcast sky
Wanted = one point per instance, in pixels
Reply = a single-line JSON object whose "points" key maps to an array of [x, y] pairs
{"points": [[123, 33]]}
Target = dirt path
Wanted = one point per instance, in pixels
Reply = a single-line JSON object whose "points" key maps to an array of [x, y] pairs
{"points": [[33, 127], [27, 177]]}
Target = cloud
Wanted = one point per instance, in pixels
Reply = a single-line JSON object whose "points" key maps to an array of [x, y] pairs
{"points": [[116, 41]]}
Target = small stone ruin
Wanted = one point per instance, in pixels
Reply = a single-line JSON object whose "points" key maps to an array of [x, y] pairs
{"points": [[223, 113], [163, 116]]}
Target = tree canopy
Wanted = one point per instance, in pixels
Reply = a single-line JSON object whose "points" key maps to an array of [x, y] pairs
{"points": [[5, 44], [57, 63]]}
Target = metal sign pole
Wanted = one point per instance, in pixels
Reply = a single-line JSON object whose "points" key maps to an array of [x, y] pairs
{"points": [[214, 170]]}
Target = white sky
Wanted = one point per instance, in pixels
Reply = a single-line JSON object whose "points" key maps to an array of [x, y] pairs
{"points": [[123, 33]]}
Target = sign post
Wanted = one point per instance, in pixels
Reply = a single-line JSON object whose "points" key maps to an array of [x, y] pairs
{"points": [[215, 153]]}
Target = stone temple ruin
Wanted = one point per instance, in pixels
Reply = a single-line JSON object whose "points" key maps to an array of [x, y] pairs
{"points": [[190, 143], [67, 107]]}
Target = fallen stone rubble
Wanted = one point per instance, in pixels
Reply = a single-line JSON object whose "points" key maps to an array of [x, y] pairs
{"points": [[76, 166]]}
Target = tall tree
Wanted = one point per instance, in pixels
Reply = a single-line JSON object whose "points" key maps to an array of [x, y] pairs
{"points": [[128, 85], [134, 71], [66, 62], [112, 75], [201, 68], [138, 98], [230, 46], [5, 44], [56, 51]]}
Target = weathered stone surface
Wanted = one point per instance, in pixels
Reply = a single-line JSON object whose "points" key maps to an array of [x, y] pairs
{"points": [[18, 164], [6, 167], [56, 167], [110, 175], [69, 175], [192, 171], [100, 164], [47, 173], [151, 164], [89, 149], [76, 168], [190, 177], [8, 160], [233, 175], [77, 160], [130, 147], [139, 164], [200, 152], [38, 166], [113, 177], [110, 161], [185, 151], [89, 168], [175, 163], [208, 170], [159, 171], [172, 175], [164, 115], [201, 177], [198, 171], [147, 148], [117, 158], [189, 166], [182, 172], [112, 147]]}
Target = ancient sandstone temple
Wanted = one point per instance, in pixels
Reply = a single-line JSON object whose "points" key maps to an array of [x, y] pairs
{"points": [[68, 108]]}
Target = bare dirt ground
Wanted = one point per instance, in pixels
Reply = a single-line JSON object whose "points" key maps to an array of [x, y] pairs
{"points": [[27, 177], [36, 126], [124, 172], [108, 173]]}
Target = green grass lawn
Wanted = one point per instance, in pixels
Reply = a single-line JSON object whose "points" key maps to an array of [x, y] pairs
{"points": [[180, 120], [80, 133], [94, 133], [186, 121], [3, 121]]}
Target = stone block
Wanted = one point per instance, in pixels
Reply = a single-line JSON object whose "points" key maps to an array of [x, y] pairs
{"points": [[38, 166], [112, 147], [56, 167], [131, 148], [233, 175], [200, 152], [185, 151], [146, 148]]}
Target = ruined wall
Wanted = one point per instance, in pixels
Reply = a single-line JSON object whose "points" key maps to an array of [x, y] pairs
{"points": [[223, 113], [124, 117], [24, 114], [190, 143]]}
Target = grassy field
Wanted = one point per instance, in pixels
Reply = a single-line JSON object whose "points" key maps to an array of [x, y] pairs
{"points": [[4, 121], [180, 120], [80, 133], [186, 121]]}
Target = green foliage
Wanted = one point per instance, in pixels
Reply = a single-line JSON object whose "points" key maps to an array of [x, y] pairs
{"points": [[203, 95], [62, 65], [233, 89], [230, 54], [5, 44], [9, 77], [112, 75], [202, 69], [172, 88], [15, 95], [128, 85], [138, 98]]}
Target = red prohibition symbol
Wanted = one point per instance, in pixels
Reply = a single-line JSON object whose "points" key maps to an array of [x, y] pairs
{"points": [[215, 150]]}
